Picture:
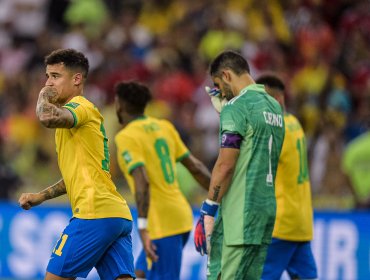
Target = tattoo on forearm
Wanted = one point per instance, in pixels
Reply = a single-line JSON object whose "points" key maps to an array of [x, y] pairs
{"points": [[142, 201], [46, 109], [55, 190], [216, 192]]}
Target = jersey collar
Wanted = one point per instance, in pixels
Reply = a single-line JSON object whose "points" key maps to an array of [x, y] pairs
{"points": [[254, 87], [143, 117]]}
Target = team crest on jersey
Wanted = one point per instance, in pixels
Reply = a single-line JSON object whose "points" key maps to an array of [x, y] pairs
{"points": [[127, 157]]}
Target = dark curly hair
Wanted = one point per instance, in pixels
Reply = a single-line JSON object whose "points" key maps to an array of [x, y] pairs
{"points": [[71, 59], [271, 80], [135, 95]]}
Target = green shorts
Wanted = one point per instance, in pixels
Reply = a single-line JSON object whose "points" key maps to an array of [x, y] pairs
{"points": [[236, 262]]}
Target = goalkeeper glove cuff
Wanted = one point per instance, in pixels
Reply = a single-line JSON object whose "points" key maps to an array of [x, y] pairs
{"points": [[209, 207]]}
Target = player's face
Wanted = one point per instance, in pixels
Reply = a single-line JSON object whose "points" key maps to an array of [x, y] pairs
{"points": [[63, 80], [225, 88]]}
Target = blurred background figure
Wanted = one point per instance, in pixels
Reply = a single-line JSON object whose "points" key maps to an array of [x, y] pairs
{"points": [[9, 180], [356, 166]]}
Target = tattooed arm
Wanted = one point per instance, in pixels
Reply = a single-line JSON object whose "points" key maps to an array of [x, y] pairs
{"points": [[142, 201], [141, 191], [28, 200], [222, 173], [50, 114]]}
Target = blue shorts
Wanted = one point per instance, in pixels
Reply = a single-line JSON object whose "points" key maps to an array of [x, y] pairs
{"points": [[294, 257], [169, 252], [101, 243]]}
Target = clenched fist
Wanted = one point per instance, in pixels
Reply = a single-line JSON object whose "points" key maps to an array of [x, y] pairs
{"points": [[28, 200], [50, 93]]}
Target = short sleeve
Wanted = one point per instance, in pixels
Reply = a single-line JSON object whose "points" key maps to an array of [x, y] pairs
{"points": [[232, 120], [130, 154], [79, 111]]}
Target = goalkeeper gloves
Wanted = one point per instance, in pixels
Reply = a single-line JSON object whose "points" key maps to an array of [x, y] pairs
{"points": [[202, 233], [217, 101]]}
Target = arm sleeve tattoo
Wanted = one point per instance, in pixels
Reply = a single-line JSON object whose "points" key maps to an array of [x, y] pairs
{"points": [[142, 201], [55, 190], [49, 114]]}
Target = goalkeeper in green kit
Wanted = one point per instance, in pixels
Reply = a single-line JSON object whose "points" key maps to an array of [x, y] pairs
{"points": [[243, 178]]}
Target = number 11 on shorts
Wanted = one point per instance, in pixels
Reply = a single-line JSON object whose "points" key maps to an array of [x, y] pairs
{"points": [[62, 241]]}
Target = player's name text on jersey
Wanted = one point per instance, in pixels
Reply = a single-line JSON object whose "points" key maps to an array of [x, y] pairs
{"points": [[273, 119]]}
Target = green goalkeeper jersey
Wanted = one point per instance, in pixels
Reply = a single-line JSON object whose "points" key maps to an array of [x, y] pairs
{"points": [[248, 208]]}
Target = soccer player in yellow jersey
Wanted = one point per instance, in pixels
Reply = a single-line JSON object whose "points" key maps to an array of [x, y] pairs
{"points": [[99, 233], [147, 150], [290, 249]]}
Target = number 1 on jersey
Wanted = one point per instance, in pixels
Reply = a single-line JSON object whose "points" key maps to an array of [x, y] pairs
{"points": [[269, 177], [105, 162], [303, 168]]}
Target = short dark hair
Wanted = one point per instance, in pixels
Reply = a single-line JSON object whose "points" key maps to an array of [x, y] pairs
{"points": [[71, 58], [231, 60], [135, 94], [272, 81]]}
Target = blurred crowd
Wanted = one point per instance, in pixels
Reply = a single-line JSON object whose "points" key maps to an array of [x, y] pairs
{"points": [[321, 49]]}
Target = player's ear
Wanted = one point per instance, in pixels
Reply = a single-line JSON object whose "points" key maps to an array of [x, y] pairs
{"points": [[77, 79], [226, 75]]}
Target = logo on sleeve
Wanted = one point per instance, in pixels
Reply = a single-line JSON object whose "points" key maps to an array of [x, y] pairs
{"points": [[223, 139], [72, 105], [228, 125], [127, 157]]}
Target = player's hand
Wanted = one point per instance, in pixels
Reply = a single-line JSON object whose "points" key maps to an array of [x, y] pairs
{"points": [[148, 245], [50, 93], [217, 100], [28, 200], [200, 236], [204, 227]]}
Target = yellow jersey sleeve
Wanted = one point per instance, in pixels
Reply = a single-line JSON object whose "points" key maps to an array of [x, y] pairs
{"points": [[79, 111], [130, 153]]}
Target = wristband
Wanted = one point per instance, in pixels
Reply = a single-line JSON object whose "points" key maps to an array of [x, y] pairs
{"points": [[209, 207], [142, 223]]}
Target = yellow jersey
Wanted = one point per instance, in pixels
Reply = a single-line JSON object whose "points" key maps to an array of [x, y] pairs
{"points": [[294, 216], [156, 145], [83, 159]]}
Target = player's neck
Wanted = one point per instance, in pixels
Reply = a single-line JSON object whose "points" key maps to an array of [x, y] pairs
{"points": [[243, 81]]}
